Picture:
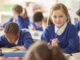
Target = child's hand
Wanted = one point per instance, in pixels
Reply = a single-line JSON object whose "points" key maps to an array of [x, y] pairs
{"points": [[20, 48], [55, 42], [31, 28], [14, 19]]}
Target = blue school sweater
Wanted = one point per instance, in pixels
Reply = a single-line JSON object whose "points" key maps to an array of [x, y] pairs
{"points": [[78, 25], [37, 27], [68, 40], [24, 39], [22, 23]]}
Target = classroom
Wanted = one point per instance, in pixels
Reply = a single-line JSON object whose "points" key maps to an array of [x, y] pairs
{"points": [[39, 29]]}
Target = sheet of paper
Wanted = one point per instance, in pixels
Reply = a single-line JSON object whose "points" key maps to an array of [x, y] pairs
{"points": [[4, 50]]}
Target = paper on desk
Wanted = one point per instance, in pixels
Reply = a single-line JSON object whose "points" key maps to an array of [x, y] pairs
{"points": [[5, 50]]}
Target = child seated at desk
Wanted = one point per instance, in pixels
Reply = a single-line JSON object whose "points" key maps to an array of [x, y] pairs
{"points": [[19, 16], [37, 21], [60, 31], [13, 37]]}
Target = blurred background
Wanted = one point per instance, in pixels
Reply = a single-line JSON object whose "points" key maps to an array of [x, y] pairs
{"points": [[40, 5]]}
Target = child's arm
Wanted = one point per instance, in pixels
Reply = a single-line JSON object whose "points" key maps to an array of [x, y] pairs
{"points": [[73, 42], [27, 40], [31, 28], [45, 36], [2, 41], [22, 48]]}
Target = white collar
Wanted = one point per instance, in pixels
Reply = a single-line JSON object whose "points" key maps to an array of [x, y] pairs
{"points": [[16, 42], [59, 31]]}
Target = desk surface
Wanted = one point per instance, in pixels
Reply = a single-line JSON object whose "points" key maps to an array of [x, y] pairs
{"points": [[75, 56]]}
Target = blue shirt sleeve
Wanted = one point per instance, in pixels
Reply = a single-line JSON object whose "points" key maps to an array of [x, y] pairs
{"points": [[40, 28], [27, 21], [10, 20], [45, 36], [77, 25], [23, 23], [27, 40], [73, 42], [2, 41]]}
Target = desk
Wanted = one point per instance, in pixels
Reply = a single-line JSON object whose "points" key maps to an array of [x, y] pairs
{"points": [[10, 58], [75, 56], [13, 56], [36, 35]]}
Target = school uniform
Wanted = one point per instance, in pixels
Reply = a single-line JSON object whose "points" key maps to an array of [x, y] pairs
{"points": [[24, 39], [67, 36], [22, 23], [78, 25], [40, 28]]}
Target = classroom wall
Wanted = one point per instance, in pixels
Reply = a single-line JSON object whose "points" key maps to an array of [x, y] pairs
{"points": [[71, 4], [1, 5]]}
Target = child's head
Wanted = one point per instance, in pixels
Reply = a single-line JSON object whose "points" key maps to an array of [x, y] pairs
{"points": [[39, 51], [78, 13], [59, 15], [11, 31], [17, 9], [57, 54], [38, 17], [42, 51]]}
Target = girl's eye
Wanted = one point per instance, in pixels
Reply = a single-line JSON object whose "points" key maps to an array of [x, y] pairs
{"points": [[61, 16], [54, 16]]}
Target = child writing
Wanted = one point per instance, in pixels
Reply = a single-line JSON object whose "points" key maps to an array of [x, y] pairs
{"points": [[37, 21], [14, 37], [19, 16]]}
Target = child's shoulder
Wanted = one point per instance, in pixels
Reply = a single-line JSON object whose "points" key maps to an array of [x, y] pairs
{"points": [[50, 26], [2, 37], [78, 23], [71, 26]]}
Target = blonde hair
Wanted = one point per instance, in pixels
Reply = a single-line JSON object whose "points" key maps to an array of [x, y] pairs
{"points": [[57, 7]]}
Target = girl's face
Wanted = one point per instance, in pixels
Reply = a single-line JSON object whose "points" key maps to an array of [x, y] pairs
{"points": [[58, 18]]}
